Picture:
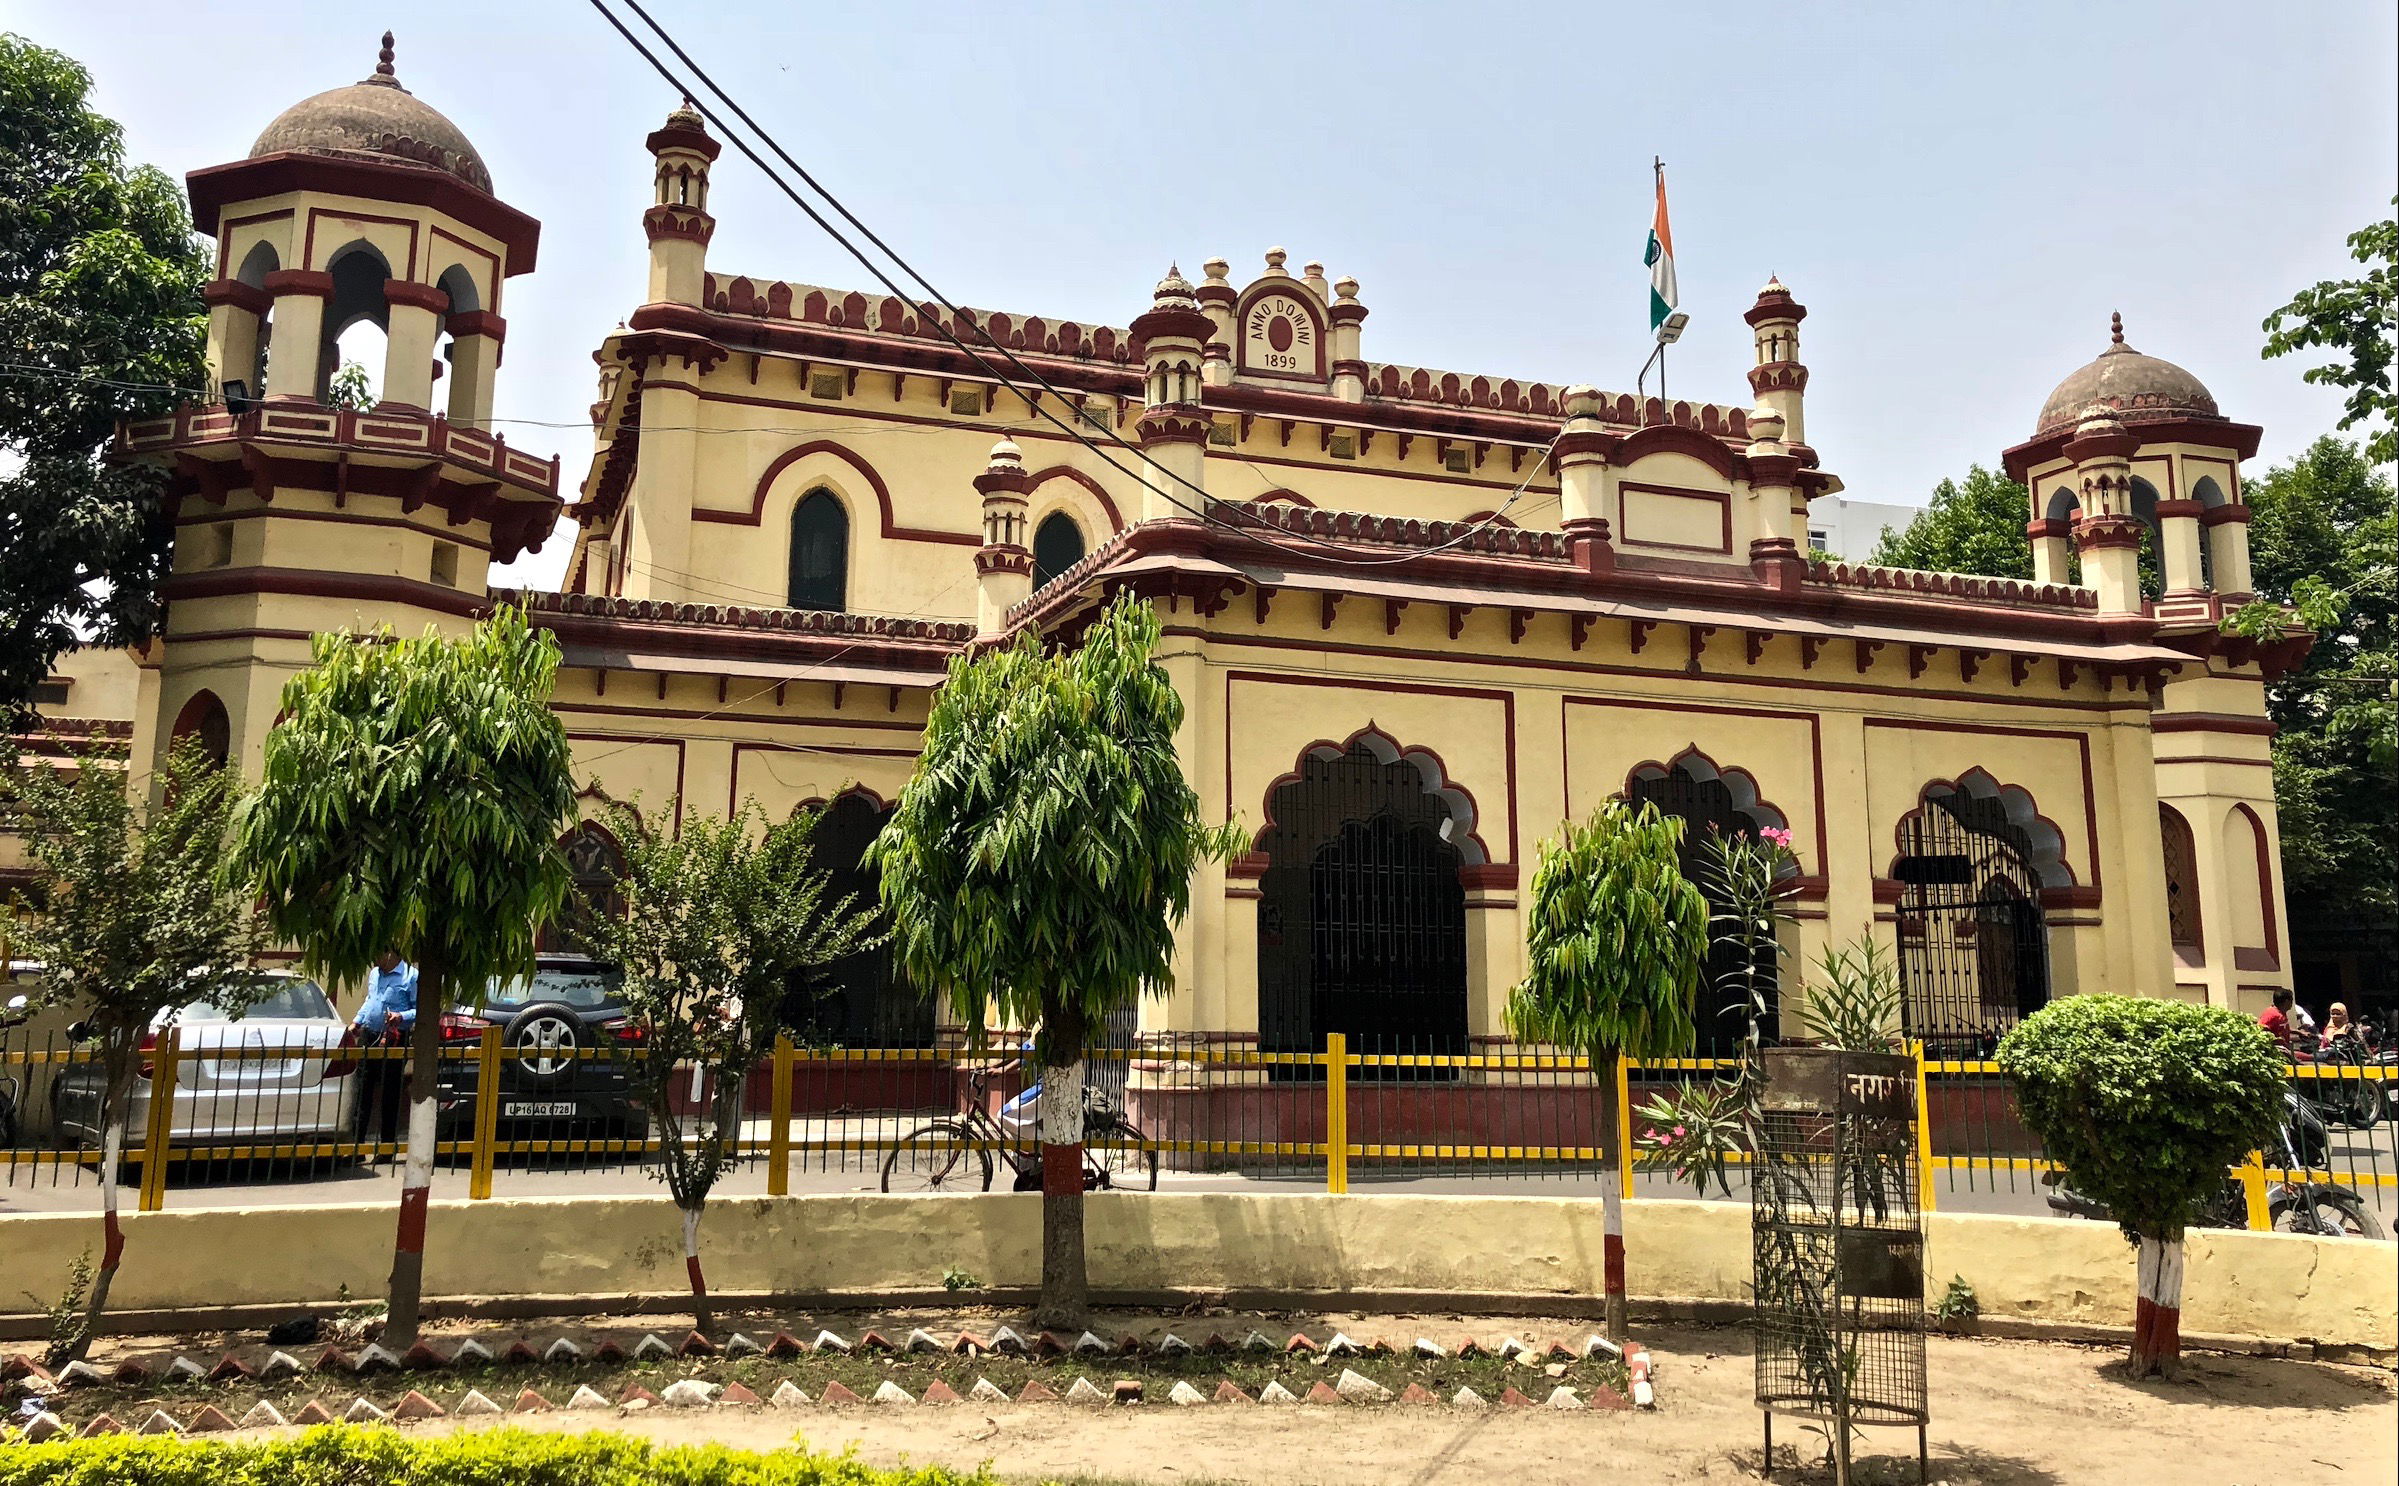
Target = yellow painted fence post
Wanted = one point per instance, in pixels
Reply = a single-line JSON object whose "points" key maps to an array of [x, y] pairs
{"points": [[1624, 1124], [160, 1134], [778, 1132], [1924, 1134], [1336, 1112], [487, 1113], [2253, 1191]]}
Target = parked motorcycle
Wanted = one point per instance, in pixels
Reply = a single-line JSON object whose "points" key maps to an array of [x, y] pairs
{"points": [[12, 1088], [2324, 1208], [2344, 1098]]}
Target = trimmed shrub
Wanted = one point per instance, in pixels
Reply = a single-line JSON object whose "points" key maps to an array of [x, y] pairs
{"points": [[352, 1455], [2146, 1102]]}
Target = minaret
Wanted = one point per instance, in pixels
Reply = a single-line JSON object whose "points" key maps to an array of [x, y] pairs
{"points": [[1779, 379], [1173, 429], [677, 221], [2108, 534], [1004, 563], [1774, 553]]}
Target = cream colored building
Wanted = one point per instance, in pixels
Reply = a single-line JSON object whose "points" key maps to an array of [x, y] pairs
{"points": [[1419, 618]]}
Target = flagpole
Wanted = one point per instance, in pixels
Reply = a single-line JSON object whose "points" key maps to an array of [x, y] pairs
{"points": [[1657, 165]]}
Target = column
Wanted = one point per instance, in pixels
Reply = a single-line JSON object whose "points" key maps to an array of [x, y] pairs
{"points": [[299, 329], [2178, 546], [2052, 556], [475, 340], [1581, 454], [2227, 529], [410, 336], [234, 311]]}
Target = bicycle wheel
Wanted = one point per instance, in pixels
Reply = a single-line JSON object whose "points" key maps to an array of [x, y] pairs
{"points": [[1128, 1170], [937, 1158]]}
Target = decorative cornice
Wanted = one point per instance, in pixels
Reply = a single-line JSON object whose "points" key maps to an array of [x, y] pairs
{"points": [[220, 186]]}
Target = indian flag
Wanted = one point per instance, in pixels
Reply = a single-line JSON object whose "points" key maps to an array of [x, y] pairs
{"points": [[1660, 258]]}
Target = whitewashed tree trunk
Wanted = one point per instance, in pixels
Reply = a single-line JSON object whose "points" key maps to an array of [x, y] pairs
{"points": [[416, 1166], [1611, 1199], [2157, 1310], [691, 1265], [1065, 1284]]}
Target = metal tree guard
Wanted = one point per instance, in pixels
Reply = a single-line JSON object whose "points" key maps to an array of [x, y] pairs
{"points": [[1838, 1247]]}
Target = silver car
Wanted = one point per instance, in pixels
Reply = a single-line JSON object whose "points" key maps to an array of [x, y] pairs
{"points": [[259, 1098]]}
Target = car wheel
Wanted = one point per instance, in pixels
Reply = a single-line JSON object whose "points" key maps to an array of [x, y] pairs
{"points": [[541, 1044]]}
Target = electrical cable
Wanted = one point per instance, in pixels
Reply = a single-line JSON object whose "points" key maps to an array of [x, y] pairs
{"points": [[1204, 513]]}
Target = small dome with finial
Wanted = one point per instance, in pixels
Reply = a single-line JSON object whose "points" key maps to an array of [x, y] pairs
{"points": [[375, 119], [2131, 387], [1174, 290]]}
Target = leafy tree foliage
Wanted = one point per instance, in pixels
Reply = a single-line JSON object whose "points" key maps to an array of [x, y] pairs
{"points": [[717, 918], [1038, 863], [2146, 1103], [1974, 527], [2355, 319], [134, 916], [412, 802], [2324, 536], [100, 318], [1612, 964]]}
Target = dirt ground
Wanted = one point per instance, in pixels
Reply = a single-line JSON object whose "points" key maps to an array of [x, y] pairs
{"points": [[2004, 1414]]}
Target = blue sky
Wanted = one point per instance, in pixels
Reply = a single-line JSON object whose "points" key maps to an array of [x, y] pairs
{"points": [[1959, 193]]}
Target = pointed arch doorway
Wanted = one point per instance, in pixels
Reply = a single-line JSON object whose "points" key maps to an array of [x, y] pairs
{"points": [[1362, 905]]}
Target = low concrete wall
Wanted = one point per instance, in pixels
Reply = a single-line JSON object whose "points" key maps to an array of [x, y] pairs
{"points": [[1514, 1249]]}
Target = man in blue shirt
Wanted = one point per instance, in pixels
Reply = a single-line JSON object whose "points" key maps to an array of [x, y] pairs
{"points": [[384, 1020]]}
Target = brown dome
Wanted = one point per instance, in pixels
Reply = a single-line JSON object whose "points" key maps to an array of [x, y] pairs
{"points": [[2136, 388], [375, 119]]}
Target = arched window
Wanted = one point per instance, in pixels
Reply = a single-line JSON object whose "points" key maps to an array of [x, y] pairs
{"points": [[1057, 546], [357, 321], [2249, 866], [864, 1000], [203, 719], [595, 865], [2182, 884], [820, 553], [2153, 562]]}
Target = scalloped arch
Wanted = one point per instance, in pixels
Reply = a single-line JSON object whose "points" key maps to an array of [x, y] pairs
{"points": [[2045, 844], [1432, 774]]}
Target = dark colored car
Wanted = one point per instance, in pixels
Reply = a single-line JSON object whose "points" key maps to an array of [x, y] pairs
{"points": [[549, 1025]]}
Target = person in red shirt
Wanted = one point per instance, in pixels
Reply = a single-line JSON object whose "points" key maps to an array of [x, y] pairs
{"points": [[2276, 1019]]}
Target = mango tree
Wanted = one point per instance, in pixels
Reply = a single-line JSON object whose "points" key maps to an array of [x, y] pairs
{"points": [[412, 802], [1612, 962], [131, 917], [1038, 863]]}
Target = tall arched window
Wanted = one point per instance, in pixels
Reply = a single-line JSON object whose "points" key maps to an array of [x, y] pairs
{"points": [[596, 864], [820, 553], [1057, 546], [1713, 802], [357, 322], [2182, 884], [204, 720]]}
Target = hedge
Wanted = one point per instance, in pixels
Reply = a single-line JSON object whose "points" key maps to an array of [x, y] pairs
{"points": [[363, 1455]]}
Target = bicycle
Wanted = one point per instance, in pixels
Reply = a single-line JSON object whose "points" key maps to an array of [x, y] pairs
{"points": [[954, 1155]]}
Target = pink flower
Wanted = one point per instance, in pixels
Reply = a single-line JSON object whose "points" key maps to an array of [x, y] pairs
{"points": [[1776, 836], [1679, 1132]]}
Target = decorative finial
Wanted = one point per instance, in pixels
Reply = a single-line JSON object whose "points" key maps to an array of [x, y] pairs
{"points": [[1274, 260], [2115, 327], [383, 59]]}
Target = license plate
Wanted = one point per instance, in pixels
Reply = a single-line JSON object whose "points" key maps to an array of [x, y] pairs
{"points": [[536, 1108]]}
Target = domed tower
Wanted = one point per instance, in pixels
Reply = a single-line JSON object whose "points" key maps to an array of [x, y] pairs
{"points": [[1173, 429], [362, 204], [2132, 449]]}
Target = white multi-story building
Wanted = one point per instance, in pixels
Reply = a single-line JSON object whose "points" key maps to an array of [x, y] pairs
{"points": [[1850, 528]]}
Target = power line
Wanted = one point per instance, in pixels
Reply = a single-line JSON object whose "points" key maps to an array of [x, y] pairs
{"points": [[1203, 512]]}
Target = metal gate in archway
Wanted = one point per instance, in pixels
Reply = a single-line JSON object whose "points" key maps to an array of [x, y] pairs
{"points": [[861, 1000], [1361, 913], [1973, 941]]}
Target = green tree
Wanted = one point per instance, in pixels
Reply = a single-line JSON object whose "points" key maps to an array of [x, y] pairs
{"points": [[133, 918], [1037, 865], [717, 919], [1974, 527], [412, 802], [100, 319], [2324, 537], [350, 388], [2354, 319], [2146, 1103], [1612, 963]]}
